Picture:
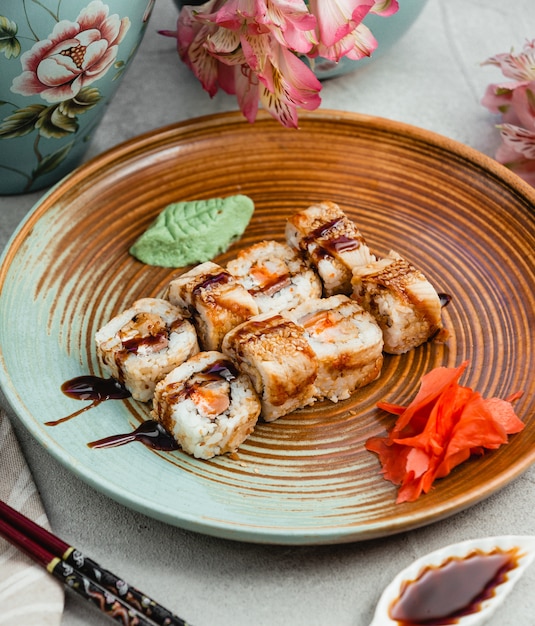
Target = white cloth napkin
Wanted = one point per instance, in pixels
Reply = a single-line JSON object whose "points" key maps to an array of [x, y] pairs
{"points": [[29, 595]]}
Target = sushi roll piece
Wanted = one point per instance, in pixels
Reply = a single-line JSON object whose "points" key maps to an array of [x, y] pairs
{"points": [[347, 342], [274, 353], [275, 275], [207, 405], [402, 300], [331, 243], [139, 346], [215, 299]]}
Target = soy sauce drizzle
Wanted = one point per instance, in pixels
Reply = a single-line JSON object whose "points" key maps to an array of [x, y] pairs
{"points": [[444, 593], [151, 433], [222, 369], [332, 243], [212, 280], [445, 299], [272, 286], [324, 229], [154, 342], [93, 388], [343, 243]]}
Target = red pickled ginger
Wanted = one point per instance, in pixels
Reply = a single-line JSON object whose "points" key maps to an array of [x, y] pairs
{"points": [[442, 427]]}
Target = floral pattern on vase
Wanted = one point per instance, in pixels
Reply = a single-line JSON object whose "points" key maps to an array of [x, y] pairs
{"points": [[62, 77]]}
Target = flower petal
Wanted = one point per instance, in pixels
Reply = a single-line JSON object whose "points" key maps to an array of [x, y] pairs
{"points": [[338, 18], [520, 66], [520, 140]]}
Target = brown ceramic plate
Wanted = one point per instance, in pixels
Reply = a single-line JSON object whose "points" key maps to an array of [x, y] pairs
{"points": [[307, 478]]}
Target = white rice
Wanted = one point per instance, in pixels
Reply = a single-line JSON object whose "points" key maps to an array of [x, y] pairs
{"points": [[274, 353], [275, 275], [347, 341], [215, 299], [404, 303], [139, 369], [202, 433], [331, 243]]}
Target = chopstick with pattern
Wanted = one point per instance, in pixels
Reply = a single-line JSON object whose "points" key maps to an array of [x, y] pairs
{"points": [[111, 594]]}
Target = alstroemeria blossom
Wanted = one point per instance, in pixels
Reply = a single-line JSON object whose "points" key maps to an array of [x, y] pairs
{"points": [[289, 84], [514, 100], [193, 50], [338, 18], [287, 20], [517, 151], [519, 67], [357, 44], [256, 49]]}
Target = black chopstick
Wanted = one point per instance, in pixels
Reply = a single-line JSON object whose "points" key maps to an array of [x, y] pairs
{"points": [[111, 594]]}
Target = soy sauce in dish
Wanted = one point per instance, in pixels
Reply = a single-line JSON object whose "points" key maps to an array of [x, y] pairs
{"points": [[92, 388], [442, 594]]}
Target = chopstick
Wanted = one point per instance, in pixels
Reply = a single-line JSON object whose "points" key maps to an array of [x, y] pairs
{"points": [[111, 594]]}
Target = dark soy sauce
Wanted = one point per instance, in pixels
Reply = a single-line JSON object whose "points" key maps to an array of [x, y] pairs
{"points": [[323, 229], [444, 298], [442, 594], [272, 286], [151, 433], [343, 244], [222, 369], [221, 278], [91, 388], [333, 243]]}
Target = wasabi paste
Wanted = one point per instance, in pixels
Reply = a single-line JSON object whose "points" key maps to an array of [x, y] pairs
{"points": [[192, 232]]}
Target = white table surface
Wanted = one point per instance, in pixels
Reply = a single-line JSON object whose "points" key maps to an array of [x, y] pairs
{"points": [[433, 79]]}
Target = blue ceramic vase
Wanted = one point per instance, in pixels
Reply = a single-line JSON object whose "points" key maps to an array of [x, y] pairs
{"points": [[60, 65]]}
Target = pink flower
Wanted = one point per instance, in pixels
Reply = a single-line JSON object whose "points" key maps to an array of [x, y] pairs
{"points": [[519, 67], [338, 18], [357, 44], [73, 56], [517, 151], [287, 20], [288, 84], [193, 37], [256, 48], [269, 73], [243, 48], [515, 101]]}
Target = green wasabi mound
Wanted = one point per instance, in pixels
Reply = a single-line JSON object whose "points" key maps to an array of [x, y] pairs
{"points": [[192, 232]]}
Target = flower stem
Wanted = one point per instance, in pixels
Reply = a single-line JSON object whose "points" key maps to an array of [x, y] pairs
{"points": [[28, 21], [55, 16], [36, 149]]}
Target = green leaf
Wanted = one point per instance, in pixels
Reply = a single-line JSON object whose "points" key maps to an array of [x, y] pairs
{"points": [[52, 160], [53, 124], [87, 98], [22, 122], [9, 44]]}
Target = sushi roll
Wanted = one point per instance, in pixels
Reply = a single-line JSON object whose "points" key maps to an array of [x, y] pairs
{"points": [[139, 346], [402, 300], [275, 354], [331, 243], [216, 300], [275, 275], [347, 342], [207, 405]]}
